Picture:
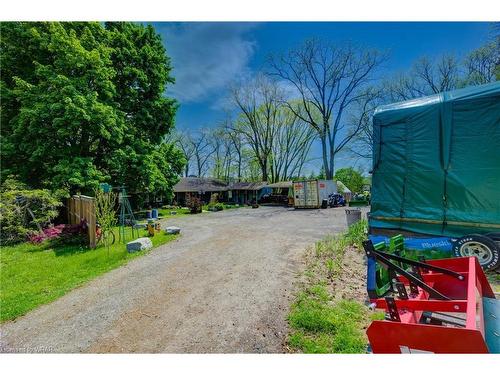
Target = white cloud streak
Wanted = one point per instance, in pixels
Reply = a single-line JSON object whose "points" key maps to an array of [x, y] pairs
{"points": [[206, 57]]}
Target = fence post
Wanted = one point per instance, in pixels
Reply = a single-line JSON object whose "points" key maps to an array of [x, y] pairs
{"points": [[80, 208], [91, 223]]}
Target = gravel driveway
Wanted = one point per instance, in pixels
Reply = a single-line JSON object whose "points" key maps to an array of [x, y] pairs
{"points": [[224, 286]]}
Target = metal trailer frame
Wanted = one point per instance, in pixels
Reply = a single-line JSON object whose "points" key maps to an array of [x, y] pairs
{"points": [[436, 306], [392, 233]]}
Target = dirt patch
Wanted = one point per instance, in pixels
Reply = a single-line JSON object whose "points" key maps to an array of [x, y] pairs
{"points": [[351, 281], [339, 265]]}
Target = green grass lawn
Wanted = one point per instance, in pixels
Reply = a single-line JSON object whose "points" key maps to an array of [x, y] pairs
{"points": [[162, 213], [322, 326], [32, 275], [166, 212]]}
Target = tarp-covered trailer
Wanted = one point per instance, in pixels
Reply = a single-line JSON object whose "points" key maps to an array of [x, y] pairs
{"points": [[436, 170], [312, 193]]}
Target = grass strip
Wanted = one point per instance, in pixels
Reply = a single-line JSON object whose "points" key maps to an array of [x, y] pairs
{"points": [[318, 322], [32, 275]]}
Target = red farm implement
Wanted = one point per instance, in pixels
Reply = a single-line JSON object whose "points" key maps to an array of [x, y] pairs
{"points": [[436, 306]]}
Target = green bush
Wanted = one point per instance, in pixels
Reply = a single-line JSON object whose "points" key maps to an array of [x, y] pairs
{"points": [[24, 211], [195, 205], [215, 206]]}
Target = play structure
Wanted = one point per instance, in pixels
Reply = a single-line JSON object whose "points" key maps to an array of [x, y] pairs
{"points": [[126, 218], [436, 173], [431, 306]]}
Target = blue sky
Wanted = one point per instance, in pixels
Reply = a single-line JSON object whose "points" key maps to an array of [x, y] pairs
{"points": [[207, 57]]}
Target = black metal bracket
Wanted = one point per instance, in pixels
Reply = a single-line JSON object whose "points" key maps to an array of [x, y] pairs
{"points": [[393, 309], [413, 289], [416, 271], [402, 294], [420, 265]]}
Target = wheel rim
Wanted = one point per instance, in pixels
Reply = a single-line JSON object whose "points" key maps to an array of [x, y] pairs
{"points": [[477, 249]]}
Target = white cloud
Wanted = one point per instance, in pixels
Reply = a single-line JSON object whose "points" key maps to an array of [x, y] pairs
{"points": [[206, 57]]}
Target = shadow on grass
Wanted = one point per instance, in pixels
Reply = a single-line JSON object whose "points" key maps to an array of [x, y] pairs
{"points": [[60, 249]]}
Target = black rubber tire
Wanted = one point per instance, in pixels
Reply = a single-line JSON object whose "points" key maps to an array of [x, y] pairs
{"points": [[488, 244], [495, 236], [112, 236]]}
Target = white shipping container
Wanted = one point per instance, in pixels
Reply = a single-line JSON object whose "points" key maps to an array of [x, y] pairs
{"points": [[310, 193]]}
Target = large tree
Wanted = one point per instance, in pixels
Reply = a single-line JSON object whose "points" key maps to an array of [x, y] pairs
{"points": [[238, 145], [483, 64], [350, 178], [83, 103], [259, 101], [291, 145], [184, 142], [361, 116], [202, 150], [328, 79], [427, 76], [222, 157], [142, 73]]}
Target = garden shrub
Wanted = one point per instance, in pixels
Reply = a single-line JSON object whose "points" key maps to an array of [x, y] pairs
{"points": [[195, 205], [105, 213], [215, 206], [62, 234], [24, 211]]}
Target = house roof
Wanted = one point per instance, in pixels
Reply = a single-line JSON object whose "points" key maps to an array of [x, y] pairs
{"points": [[281, 185], [247, 185], [198, 184], [342, 188]]}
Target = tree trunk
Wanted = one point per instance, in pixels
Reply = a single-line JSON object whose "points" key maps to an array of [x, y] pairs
{"points": [[324, 147], [263, 167], [239, 167]]}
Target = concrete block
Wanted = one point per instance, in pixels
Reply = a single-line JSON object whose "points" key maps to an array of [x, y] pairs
{"points": [[139, 244], [173, 230]]}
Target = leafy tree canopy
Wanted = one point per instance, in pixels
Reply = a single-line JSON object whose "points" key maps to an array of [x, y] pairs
{"points": [[82, 103], [350, 178]]}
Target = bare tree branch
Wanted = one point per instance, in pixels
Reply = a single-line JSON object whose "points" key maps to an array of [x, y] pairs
{"points": [[329, 79]]}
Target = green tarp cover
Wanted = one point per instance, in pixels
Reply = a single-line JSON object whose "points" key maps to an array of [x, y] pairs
{"points": [[436, 163]]}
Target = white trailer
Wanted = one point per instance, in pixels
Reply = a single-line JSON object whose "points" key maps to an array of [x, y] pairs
{"points": [[310, 193]]}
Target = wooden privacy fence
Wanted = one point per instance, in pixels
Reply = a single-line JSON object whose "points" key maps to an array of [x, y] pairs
{"points": [[81, 207]]}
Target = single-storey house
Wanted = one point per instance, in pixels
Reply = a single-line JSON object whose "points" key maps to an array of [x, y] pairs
{"points": [[280, 191], [202, 187], [246, 192]]}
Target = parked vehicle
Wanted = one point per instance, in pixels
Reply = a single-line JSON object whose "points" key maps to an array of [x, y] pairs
{"points": [[436, 171], [336, 200], [312, 193]]}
